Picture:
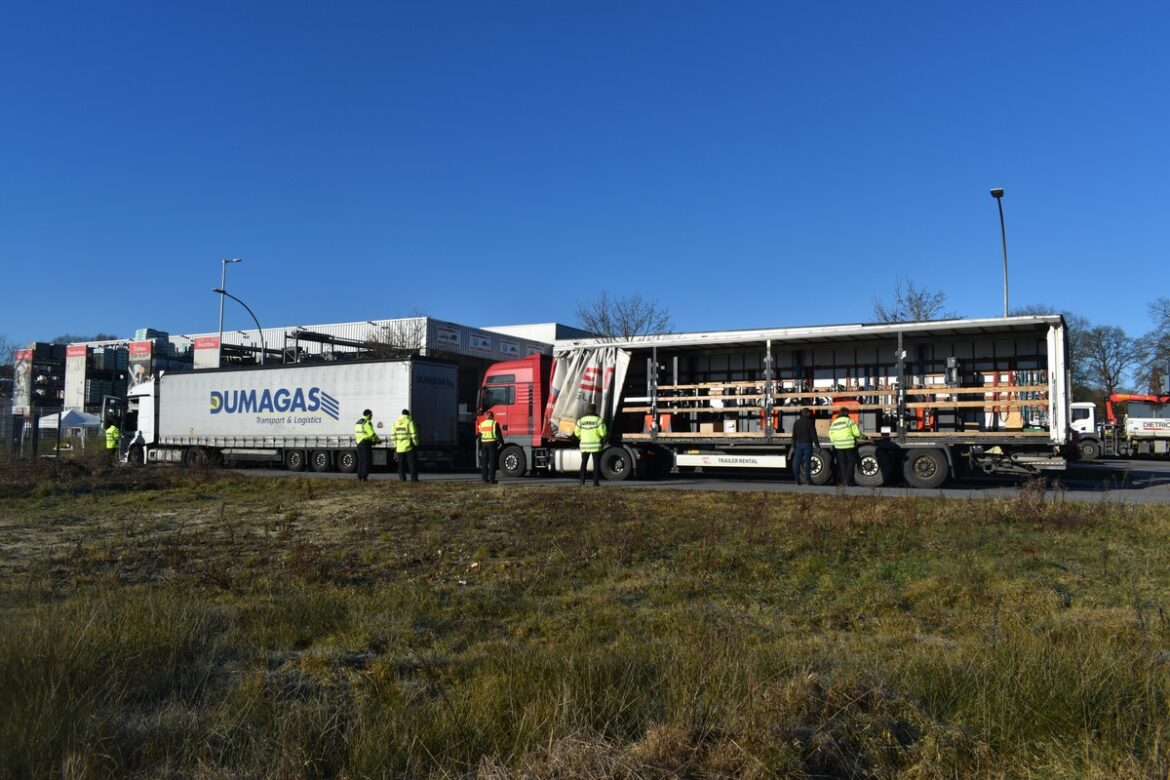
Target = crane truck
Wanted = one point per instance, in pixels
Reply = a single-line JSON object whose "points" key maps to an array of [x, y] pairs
{"points": [[299, 415], [936, 399], [1143, 430]]}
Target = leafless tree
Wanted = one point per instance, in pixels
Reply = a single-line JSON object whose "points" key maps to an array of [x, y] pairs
{"points": [[1108, 354], [400, 337], [912, 304], [73, 338], [619, 319], [1155, 348]]}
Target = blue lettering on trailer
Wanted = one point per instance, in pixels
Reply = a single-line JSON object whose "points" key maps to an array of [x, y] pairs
{"points": [[283, 399]]}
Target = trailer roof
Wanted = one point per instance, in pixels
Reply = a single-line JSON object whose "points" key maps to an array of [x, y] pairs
{"points": [[830, 333]]}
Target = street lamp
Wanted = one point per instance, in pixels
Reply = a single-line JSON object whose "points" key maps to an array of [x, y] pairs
{"points": [[221, 288], [997, 193], [259, 331]]}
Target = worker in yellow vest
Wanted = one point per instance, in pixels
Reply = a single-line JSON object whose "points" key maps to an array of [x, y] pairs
{"points": [[591, 432], [113, 439], [489, 437], [366, 438], [844, 435], [406, 445]]}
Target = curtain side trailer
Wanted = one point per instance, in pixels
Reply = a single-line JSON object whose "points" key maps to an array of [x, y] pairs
{"points": [[299, 416], [937, 399]]}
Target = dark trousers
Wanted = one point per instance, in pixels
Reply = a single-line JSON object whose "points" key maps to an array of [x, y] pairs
{"points": [[406, 459], [365, 456], [596, 466], [802, 463], [847, 461], [489, 456], [112, 454]]}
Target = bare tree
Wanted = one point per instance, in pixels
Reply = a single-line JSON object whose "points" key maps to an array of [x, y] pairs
{"points": [[73, 338], [912, 304], [400, 337], [1108, 354], [1155, 347], [620, 319]]}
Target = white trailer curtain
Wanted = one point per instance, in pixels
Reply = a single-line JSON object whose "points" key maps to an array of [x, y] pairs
{"points": [[583, 377]]}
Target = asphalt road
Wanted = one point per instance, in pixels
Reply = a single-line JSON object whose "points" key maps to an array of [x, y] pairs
{"points": [[1136, 482]]}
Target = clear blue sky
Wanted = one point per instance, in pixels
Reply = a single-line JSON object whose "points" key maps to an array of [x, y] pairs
{"points": [[746, 164]]}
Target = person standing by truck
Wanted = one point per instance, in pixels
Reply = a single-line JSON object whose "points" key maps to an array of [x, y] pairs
{"points": [[804, 438], [363, 434], [405, 445], [113, 439], [489, 445], [844, 435], [590, 432]]}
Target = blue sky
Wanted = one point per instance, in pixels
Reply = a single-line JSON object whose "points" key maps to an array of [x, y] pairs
{"points": [[745, 164]]}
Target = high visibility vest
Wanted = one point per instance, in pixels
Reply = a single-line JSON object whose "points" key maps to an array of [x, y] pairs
{"points": [[363, 430], [591, 431], [844, 433], [112, 437], [405, 434], [489, 431]]}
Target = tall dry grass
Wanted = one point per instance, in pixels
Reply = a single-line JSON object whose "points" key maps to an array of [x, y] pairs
{"points": [[195, 625]]}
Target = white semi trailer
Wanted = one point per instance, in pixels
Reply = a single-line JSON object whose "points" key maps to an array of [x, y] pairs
{"points": [[301, 416]]}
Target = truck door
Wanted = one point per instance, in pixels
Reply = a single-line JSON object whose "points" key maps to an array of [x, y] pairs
{"points": [[499, 398], [1082, 418]]}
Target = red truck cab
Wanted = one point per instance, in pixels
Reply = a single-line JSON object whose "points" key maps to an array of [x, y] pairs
{"points": [[516, 392]]}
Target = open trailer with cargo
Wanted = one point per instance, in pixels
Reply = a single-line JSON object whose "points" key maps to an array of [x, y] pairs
{"points": [[299, 416], [937, 399]]}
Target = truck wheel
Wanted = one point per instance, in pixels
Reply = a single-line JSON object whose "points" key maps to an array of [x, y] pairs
{"points": [[347, 461], [925, 468], [616, 464], [822, 467], [195, 458], [294, 460], [320, 461], [135, 456], [870, 471], [1090, 449], [512, 461]]}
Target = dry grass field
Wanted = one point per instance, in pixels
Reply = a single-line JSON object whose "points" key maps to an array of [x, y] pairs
{"points": [[167, 623]]}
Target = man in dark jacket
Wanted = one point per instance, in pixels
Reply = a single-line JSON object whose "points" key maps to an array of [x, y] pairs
{"points": [[804, 438]]}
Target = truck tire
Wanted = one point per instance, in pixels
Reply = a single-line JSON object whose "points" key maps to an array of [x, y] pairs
{"points": [[822, 467], [321, 461], [347, 461], [512, 461], [195, 458], [925, 468], [871, 467], [616, 464], [294, 460], [135, 456], [1090, 449]]}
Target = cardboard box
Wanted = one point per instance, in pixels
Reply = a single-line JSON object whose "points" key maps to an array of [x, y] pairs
{"points": [[823, 427], [730, 426], [706, 427]]}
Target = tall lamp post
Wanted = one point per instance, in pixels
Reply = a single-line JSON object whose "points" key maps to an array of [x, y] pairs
{"points": [[221, 288], [259, 330], [997, 193]]}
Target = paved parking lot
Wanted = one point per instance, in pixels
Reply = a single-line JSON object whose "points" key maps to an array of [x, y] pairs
{"points": [[1136, 481]]}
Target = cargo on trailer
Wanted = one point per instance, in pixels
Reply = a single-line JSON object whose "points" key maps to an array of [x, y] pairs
{"points": [[936, 399]]}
